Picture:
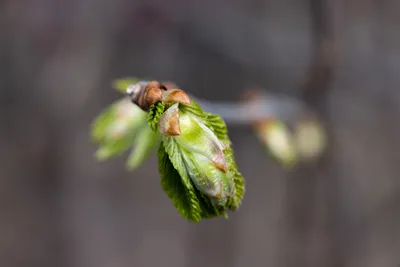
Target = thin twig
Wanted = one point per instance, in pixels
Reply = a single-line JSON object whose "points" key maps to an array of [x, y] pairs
{"points": [[265, 106]]}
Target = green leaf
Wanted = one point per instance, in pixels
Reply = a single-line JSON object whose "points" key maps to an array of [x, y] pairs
{"points": [[218, 126], [115, 128], [213, 121], [175, 155], [203, 173], [197, 138], [121, 84], [195, 109], [115, 147], [101, 123], [239, 181], [189, 143], [120, 111], [208, 210], [155, 112], [201, 206], [188, 155], [182, 194], [144, 144]]}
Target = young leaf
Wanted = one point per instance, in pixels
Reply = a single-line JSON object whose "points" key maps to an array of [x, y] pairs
{"points": [[208, 210], [101, 124], [198, 155], [155, 113], [201, 204], [183, 195], [213, 121], [237, 177], [175, 155], [144, 144], [199, 139], [116, 129], [115, 120], [195, 110], [218, 126], [115, 147]]}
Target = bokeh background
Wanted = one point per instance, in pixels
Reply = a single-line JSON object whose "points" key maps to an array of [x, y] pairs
{"points": [[59, 207]]}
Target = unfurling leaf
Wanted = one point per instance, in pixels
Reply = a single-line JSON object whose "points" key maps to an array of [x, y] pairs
{"points": [[183, 195], [121, 126], [203, 159], [155, 114], [169, 122], [175, 96], [146, 141], [175, 180], [237, 177], [218, 126], [114, 129]]}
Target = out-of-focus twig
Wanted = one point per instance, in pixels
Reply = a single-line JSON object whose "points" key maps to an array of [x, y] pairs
{"points": [[266, 105], [315, 88]]}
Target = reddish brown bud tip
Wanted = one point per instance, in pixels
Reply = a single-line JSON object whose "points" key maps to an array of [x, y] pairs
{"points": [[145, 95], [220, 166], [175, 96], [152, 96], [169, 122], [218, 160], [174, 129]]}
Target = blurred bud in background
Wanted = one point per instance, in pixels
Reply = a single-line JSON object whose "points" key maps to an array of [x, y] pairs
{"points": [[290, 141], [310, 139], [278, 140]]}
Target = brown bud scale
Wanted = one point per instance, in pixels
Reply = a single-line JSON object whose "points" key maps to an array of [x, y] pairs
{"points": [[175, 96]]}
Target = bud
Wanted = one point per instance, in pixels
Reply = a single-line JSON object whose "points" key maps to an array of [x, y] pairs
{"points": [[146, 94], [152, 94], [310, 139], [175, 96], [202, 153], [198, 138], [279, 141], [169, 122]]}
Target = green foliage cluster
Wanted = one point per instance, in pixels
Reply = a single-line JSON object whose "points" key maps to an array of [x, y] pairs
{"points": [[123, 126]]}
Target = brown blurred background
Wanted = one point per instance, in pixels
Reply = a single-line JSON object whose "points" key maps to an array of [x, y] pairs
{"points": [[59, 207]]}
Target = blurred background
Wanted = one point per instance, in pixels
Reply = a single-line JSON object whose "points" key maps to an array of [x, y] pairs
{"points": [[59, 207]]}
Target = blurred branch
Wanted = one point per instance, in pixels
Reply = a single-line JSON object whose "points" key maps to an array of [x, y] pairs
{"points": [[320, 74], [266, 105]]}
